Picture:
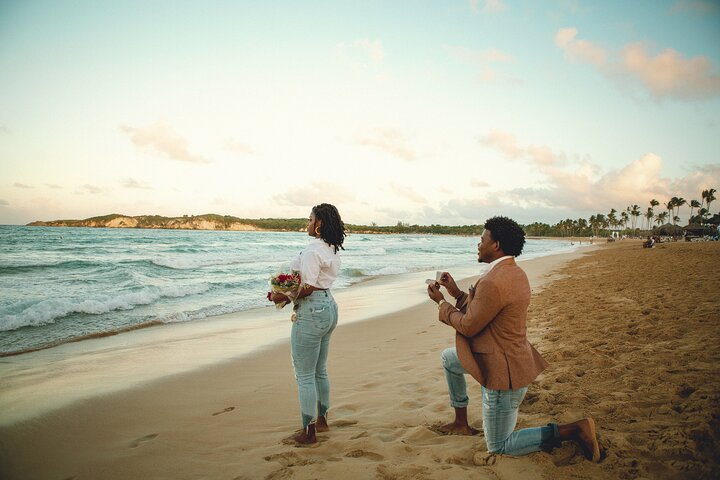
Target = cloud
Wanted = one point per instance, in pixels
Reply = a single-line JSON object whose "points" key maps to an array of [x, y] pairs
{"points": [[53, 186], [389, 141], [669, 74], [87, 188], [132, 183], [580, 50], [508, 144], [22, 185], [408, 193], [694, 6], [479, 183], [666, 75], [362, 49], [239, 147], [481, 57], [161, 139], [488, 6], [315, 193], [635, 183], [4, 203]]}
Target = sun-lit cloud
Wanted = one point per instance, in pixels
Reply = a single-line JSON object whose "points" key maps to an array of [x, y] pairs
{"points": [[668, 74], [159, 138], [387, 140], [239, 147], [508, 144], [133, 183], [475, 56], [22, 185], [313, 194], [479, 183], [87, 188], [487, 6], [407, 193], [580, 50], [695, 6], [53, 186]]}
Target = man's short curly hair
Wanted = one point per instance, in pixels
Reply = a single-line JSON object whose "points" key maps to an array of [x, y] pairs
{"points": [[508, 233]]}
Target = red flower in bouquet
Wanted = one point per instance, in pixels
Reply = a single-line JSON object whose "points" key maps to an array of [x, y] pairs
{"points": [[286, 283]]}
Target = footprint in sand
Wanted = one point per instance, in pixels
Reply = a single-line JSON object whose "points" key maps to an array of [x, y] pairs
{"points": [[359, 435], [288, 459], [362, 453], [228, 409], [139, 441], [343, 423]]}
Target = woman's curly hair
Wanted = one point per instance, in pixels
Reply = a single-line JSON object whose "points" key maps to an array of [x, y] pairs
{"points": [[332, 228]]}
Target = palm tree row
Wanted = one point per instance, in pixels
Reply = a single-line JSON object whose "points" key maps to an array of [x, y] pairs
{"points": [[612, 222]]}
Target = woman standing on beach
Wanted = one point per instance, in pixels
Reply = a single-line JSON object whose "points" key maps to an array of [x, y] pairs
{"points": [[316, 316]]}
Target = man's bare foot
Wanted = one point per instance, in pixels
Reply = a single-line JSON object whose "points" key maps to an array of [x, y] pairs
{"points": [[587, 438], [321, 425], [454, 428], [305, 437]]}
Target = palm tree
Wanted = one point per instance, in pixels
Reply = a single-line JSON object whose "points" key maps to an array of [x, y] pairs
{"points": [[661, 217], [710, 198], [625, 217], [693, 205], [612, 220], [679, 202], [669, 206], [635, 212], [649, 215]]}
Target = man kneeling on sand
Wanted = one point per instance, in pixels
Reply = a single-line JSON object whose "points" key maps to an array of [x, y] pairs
{"points": [[492, 346]]}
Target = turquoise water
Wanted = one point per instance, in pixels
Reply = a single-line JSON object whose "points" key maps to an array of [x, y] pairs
{"points": [[64, 284]]}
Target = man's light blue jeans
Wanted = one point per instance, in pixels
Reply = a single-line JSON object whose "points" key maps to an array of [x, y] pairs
{"points": [[500, 412], [316, 318]]}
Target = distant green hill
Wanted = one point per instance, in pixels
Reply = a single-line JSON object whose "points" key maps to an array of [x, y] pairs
{"points": [[212, 221]]}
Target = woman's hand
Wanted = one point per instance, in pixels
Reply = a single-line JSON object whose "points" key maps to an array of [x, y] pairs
{"points": [[276, 298], [447, 281]]}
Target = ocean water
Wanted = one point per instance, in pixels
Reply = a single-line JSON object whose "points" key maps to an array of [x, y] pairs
{"points": [[68, 284]]}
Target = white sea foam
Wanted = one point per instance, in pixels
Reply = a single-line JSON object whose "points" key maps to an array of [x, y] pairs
{"points": [[47, 311]]}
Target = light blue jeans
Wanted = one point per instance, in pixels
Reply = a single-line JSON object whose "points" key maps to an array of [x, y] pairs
{"points": [[499, 410], [316, 318]]}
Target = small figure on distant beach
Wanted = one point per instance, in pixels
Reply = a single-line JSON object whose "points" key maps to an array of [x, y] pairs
{"points": [[316, 316], [649, 243], [492, 346]]}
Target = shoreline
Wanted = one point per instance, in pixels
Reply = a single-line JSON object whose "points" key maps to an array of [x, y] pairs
{"points": [[65, 377]]}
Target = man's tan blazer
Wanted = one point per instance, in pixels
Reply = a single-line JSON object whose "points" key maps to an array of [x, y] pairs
{"points": [[491, 338]]}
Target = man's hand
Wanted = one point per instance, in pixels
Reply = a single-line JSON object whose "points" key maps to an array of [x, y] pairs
{"points": [[447, 281], [434, 293]]}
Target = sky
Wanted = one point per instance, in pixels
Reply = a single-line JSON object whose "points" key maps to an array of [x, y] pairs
{"points": [[425, 112]]}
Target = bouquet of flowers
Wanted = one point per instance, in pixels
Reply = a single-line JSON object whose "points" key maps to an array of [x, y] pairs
{"points": [[286, 283]]}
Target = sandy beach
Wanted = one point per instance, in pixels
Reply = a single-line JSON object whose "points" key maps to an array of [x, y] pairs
{"points": [[631, 336]]}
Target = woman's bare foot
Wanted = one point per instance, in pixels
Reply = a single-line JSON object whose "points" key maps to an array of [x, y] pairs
{"points": [[457, 429], [306, 436], [321, 425]]}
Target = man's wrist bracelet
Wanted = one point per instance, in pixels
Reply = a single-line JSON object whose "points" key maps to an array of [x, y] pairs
{"points": [[440, 303]]}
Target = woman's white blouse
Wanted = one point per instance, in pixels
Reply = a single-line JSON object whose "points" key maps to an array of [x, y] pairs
{"points": [[318, 264]]}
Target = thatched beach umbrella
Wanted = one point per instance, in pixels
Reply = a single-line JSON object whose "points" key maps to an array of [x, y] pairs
{"points": [[668, 229], [694, 228]]}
